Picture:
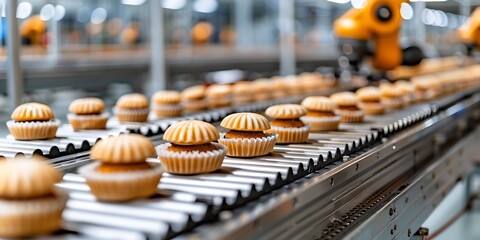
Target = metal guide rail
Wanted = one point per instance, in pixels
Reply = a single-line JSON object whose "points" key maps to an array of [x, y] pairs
{"points": [[239, 182]]}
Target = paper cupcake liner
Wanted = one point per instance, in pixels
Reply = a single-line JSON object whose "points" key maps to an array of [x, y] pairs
{"points": [[131, 115], [261, 96], [219, 102], [33, 130], [167, 110], [291, 135], [122, 186], [193, 106], [372, 108], [322, 123], [83, 122], [26, 218], [191, 162], [347, 116], [393, 103], [249, 147]]}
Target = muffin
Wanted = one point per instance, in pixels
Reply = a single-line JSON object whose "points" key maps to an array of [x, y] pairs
{"points": [[279, 87], [262, 89], [132, 107], [407, 89], [320, 114], [219, 95], [194, 99], [122, 173], [292, 85], [369, 98], [286, 123], [347, 107], [87, 113], [33, 121], [242, 92], [391, 98], [190, 149], [166, 104], [246, 136], [30, 205], [310, 82]]}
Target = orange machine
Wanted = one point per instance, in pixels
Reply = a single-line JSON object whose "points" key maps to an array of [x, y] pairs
{"points": [[378, 22], [469, 33]]}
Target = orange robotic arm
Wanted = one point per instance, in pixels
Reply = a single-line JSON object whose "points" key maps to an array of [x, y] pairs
{"points": [[378, 21], [469, 33]]}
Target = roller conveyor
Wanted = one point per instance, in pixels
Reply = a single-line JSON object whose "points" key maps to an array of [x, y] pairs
{"points": [[219, 205]]}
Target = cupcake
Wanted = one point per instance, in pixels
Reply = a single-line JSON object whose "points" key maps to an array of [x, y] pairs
{"points": [[87, 113], [33, 121], [190, 149], [219, 96], [242, 92], [320, 114], [369, 98], [30, 205], [167, 104], [287, 124], [122, 172], [246, 136], [279, 87], [407, 89], [193, 98], [292, 85], [132, 107], [391, 98], [347, 107], [310, 82], [262, 89]]}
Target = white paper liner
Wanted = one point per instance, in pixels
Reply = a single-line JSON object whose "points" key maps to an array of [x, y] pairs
{"points": [[372, 108], [249, 147], [25, 218], [167, 110], [83, 122], [347, 116], [131, 115], [195, 105], [393, 103], [291, 135], [121, 186], [322, 123], [34, 130], [194, 162]]}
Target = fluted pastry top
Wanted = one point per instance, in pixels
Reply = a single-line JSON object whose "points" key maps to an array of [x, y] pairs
{"points": [[32, 112], [389, 90], [166, 97], [87, 106], [286, 111], [194, 92], [319, 103], [132, 101], [218, 90], [242, 87], [369, 94], [344, 99], [122, 149], [191, 132], [245, 122], [26, 178]]}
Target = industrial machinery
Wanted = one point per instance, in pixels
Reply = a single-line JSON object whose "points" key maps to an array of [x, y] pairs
{"points": [[378, 21], [469, 33], [374, 180]]}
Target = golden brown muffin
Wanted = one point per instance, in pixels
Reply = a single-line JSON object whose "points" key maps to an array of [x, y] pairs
{"points": [[30, 203], [279, 87], [242, 92], [247, 139], [132, 107], [392, 98], [262, 89], [286, 123], [167, 104], [193, 98], [86, 113], [320, 115], [347, 107], [190, 149], [219, 95], [123, 173], [33, 121]]}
